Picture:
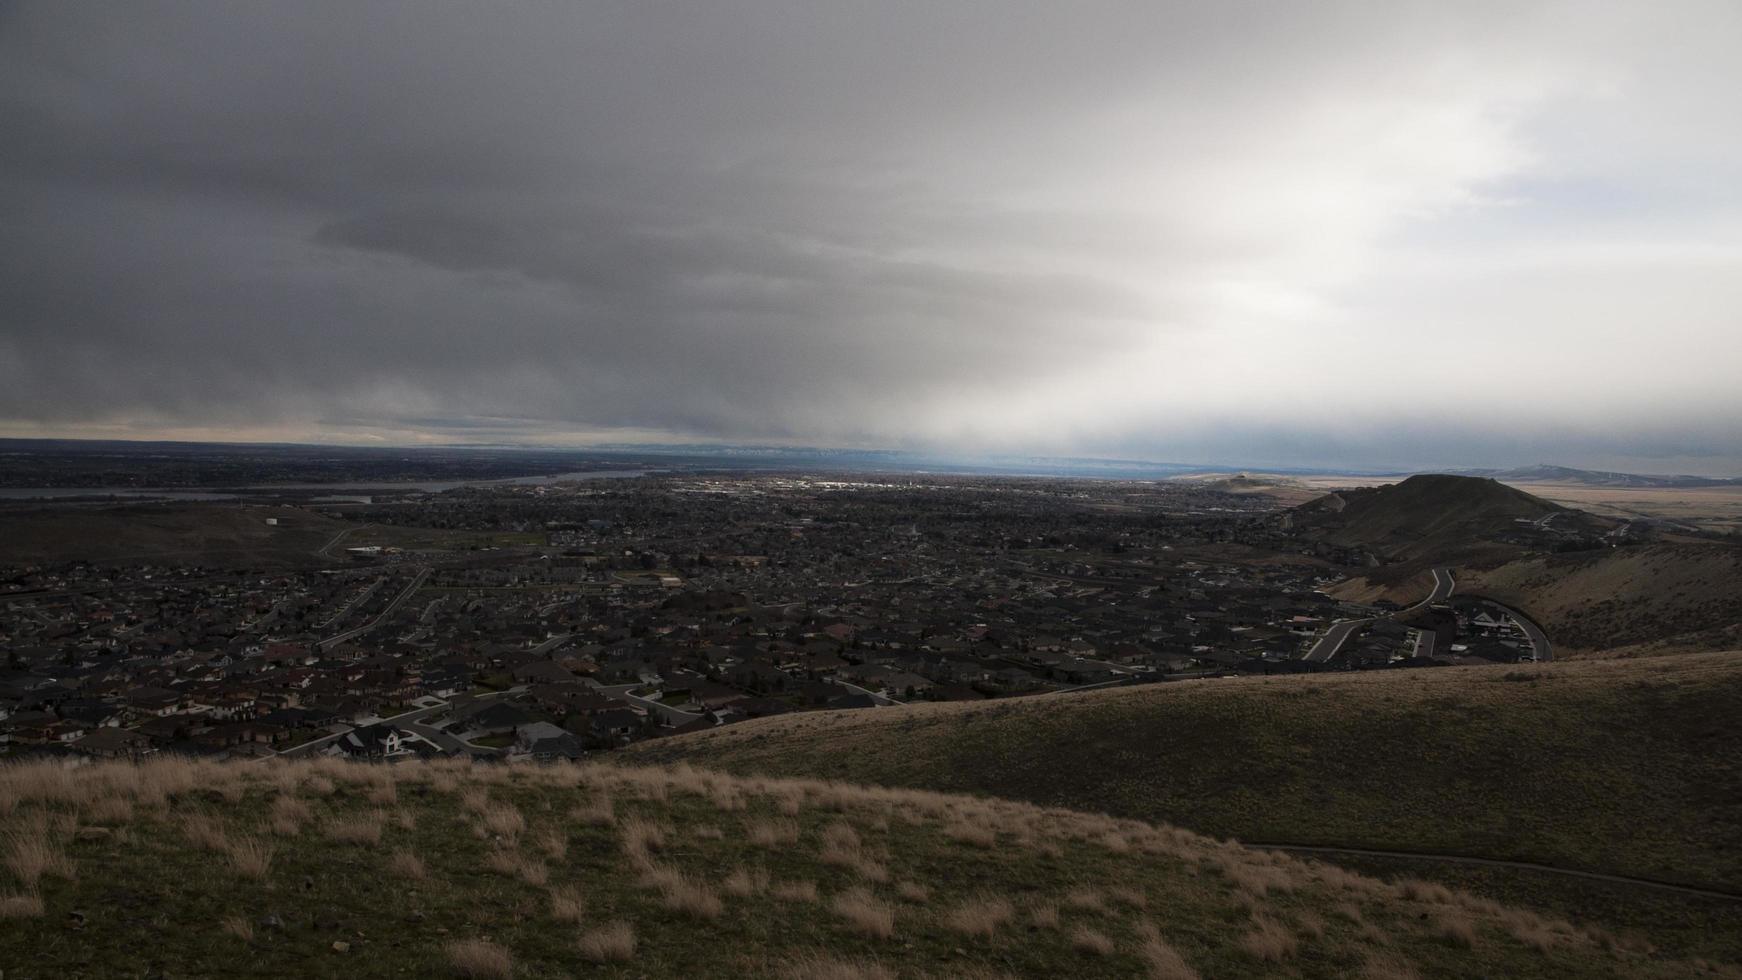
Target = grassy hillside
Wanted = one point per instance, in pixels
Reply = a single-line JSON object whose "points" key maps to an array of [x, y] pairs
{"points": [[1665, 598], [333, 869], [1615, 766]]}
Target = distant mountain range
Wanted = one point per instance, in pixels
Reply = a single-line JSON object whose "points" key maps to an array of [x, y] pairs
{"points": [[1546, 473]]}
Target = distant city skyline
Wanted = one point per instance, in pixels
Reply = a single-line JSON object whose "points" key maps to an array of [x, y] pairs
{"points": [[1371, 236]]}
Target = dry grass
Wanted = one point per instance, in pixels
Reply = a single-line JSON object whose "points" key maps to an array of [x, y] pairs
{"points": [[912, 891], [1387, 966], [683, 893], [864, 912], [1424, 891], [23, 906], [1161, 961], [1044, 916], [251, 857], [505, 821], [364, 828], [842, 846], [980, 916], [31, 853], [599, 812], [320, 786], [478, 959], [641, 837], [513, 864], [1087, 940], [612, 942], [1128, 897], [567, 904], [795, 891], [205, 832], [744, 882], [823, 968], [972, 834], [554, 843], [772, 833], [111, 811], [239, 927], [1454, 926], [405, 864], [1085, 899], [1268, 940]]}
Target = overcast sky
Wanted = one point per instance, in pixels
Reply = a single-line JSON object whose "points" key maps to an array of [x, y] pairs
{"points": [[1376, 234]]}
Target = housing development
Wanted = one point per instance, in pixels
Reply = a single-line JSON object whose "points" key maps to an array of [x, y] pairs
{"points": [[563, 619]]}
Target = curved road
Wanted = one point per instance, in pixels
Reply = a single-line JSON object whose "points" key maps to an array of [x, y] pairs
{"points": [[1339, 633]]}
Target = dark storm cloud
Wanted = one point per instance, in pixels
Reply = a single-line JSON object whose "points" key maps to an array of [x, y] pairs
{"points": [[977, 225]]}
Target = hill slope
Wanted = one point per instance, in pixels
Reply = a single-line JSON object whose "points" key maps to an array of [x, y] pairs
{"points": [[336, 869], [1429, 515], [1646, 599], [1612, 766]]}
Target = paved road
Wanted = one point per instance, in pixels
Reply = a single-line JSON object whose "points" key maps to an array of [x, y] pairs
{"points": [[412, 720], [873, 695], [674, 716], [1424, 643], [1334, 639], [326, 550], [345, 610], [1339, 633], [1494, 863], [553, 643], [416, 583], [1442, 590], [1538, 639]]}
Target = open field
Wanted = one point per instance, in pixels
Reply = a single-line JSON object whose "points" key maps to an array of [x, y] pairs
{"points": [[335, 869], [1707, 508], [1617, 766], [215, 534], [439, 539]]}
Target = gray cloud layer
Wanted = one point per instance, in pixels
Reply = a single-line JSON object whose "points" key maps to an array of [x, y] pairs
{"points": [[1357, 233]]}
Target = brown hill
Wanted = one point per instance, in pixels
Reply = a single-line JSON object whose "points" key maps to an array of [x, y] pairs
{"points": [[1649, 599], [1429, 515]]}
